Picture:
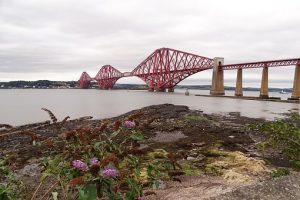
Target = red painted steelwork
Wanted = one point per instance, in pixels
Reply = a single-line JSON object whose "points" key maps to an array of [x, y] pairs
{"points": [[166, 67], [272, 63], [107, 77], [84, 81]]}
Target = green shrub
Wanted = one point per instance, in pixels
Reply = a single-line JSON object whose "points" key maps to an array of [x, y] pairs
{"points": [[280, 172], [10, 186], [283, 134], [101, 163]]}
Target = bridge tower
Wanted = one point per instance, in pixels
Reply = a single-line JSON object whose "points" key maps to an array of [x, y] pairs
{"points": [[264, 89], [239, 83], [217, 86], [296, 87], [85, 80]]}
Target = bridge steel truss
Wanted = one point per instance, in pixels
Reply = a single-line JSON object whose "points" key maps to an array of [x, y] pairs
{"points": [[166, 67], [107, 77], [85, 80], [272, 63], [163, 69]]}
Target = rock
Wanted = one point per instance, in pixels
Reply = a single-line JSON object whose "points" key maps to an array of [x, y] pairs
{"points": [[196, 150], [198, 144], [190, 158], [31, 170], [2, 155], [200, 157], [193, 154], [287, 188], [167, 137]]}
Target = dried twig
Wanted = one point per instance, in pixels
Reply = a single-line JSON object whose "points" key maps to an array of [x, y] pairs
{"points": [[52, 116], [36, 190], [54, 119], [50, 189], [63, 121]]}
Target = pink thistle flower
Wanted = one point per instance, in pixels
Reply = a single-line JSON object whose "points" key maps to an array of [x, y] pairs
{"points": [[129, 124], [80, 165], [110, 172], [95, 161]]}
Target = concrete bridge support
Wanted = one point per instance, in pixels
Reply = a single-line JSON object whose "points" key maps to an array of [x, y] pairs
{"points": [[217, 86], [239, 83], [296, 87], [160, 90], [264, 89], [170, 89]]}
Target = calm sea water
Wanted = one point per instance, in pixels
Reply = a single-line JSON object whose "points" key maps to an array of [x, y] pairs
{"points": [[21, 106]]}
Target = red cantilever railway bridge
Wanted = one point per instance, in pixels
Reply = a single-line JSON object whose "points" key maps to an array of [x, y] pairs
{"points": [[166, 67]]}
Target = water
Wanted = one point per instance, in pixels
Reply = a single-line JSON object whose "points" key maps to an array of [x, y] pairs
{"points": [[22, 106], [245, 93]]}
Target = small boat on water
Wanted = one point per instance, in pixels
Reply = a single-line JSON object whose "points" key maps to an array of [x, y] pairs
{"points": [[282, 92], [187, 93]]}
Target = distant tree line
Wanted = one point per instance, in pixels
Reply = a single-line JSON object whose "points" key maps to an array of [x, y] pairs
{"points": [[39, 83]]}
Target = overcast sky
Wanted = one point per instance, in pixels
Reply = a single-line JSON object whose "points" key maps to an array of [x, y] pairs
{"points": [[58, 39]]}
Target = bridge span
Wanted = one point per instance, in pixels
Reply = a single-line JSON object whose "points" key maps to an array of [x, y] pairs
{"points": [[166, 67]]}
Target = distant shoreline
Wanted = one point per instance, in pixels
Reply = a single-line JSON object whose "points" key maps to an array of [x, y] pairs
{"points": [[288, 90], [48, 84]]}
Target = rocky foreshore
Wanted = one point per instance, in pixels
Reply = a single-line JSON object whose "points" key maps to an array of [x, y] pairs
{"points": [[218, 153]]}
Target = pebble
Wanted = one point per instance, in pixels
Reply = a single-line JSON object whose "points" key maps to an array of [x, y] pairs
{"points": [[198, 144], [190, 158]]}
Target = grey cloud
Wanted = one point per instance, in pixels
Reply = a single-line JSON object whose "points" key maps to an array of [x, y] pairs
{"points": [[67, 36]]}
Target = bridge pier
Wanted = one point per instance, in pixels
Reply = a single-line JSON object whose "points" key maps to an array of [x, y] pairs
{"points": [[239, 83], [264, 89], [296, 86], [170, 89], [150, 89], [160, 89], [217, 86], [84, 85]]}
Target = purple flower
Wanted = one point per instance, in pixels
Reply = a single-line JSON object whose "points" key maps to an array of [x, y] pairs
{"points": [[141, 198], [95, 161], [110, 172], [80, 165], [129, 124]]}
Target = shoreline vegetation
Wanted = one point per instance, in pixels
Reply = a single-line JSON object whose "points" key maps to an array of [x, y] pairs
{"points": [[157, 152], [46, 84]]}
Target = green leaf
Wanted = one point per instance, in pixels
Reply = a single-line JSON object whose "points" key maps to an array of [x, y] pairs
{"points": [[130, 195], [81, 194], [136, 135], [114, 134], [91, 192], [97, 145], [3, 193], [45, 174]]}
